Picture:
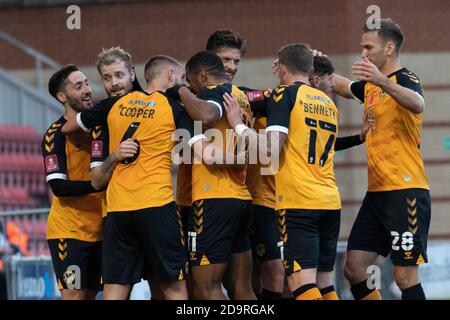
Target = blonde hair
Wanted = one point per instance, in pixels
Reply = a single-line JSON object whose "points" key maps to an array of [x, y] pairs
{"points": [[111, 55]]}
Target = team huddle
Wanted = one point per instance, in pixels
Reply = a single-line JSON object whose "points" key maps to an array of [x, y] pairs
{"points": [[256, 212]]}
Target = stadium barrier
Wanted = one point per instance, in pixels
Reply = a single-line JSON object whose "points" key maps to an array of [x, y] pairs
{"points": [[29, 270], [26, 229], [32, 276]]}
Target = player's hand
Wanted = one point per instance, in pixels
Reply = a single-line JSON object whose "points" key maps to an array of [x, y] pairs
{"points": [[233, 109], [126, 149], [173, 92], [368, 124], [365, 70]]}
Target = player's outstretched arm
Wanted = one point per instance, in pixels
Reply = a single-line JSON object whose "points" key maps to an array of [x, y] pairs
{"points": [[342, 86], [367, 71], [198, 109]]}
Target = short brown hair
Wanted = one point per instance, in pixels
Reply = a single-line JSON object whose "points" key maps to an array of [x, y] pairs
{"points": [[153, 66], [297, 57], [226, 38], [388, 31], [109, 56]]}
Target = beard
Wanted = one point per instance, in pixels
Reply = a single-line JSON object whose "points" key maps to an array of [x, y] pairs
{"points": [[117, 91], [78, 104], [120, 89], [230, 75]]}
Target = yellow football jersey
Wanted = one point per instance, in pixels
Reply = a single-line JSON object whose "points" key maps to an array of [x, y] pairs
{"points": [[393, 146], [214, 182], [76, 217], [150, 119], [306, 177]]}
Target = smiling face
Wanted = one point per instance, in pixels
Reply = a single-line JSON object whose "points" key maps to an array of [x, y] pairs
{"points": [[77, 93], [231, 57], [117, 79]]}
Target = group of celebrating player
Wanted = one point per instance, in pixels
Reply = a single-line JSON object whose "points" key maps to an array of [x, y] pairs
{"points": [[238, 228]]}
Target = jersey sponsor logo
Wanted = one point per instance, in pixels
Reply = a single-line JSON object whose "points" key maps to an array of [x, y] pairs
{"points": [[97, 149], [318, 98], [51, 163], [142, 103], [327, 126]]}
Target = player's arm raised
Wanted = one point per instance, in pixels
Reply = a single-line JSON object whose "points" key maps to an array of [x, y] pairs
{"points": [[342, 86], [367, 71], [198, 109]]}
